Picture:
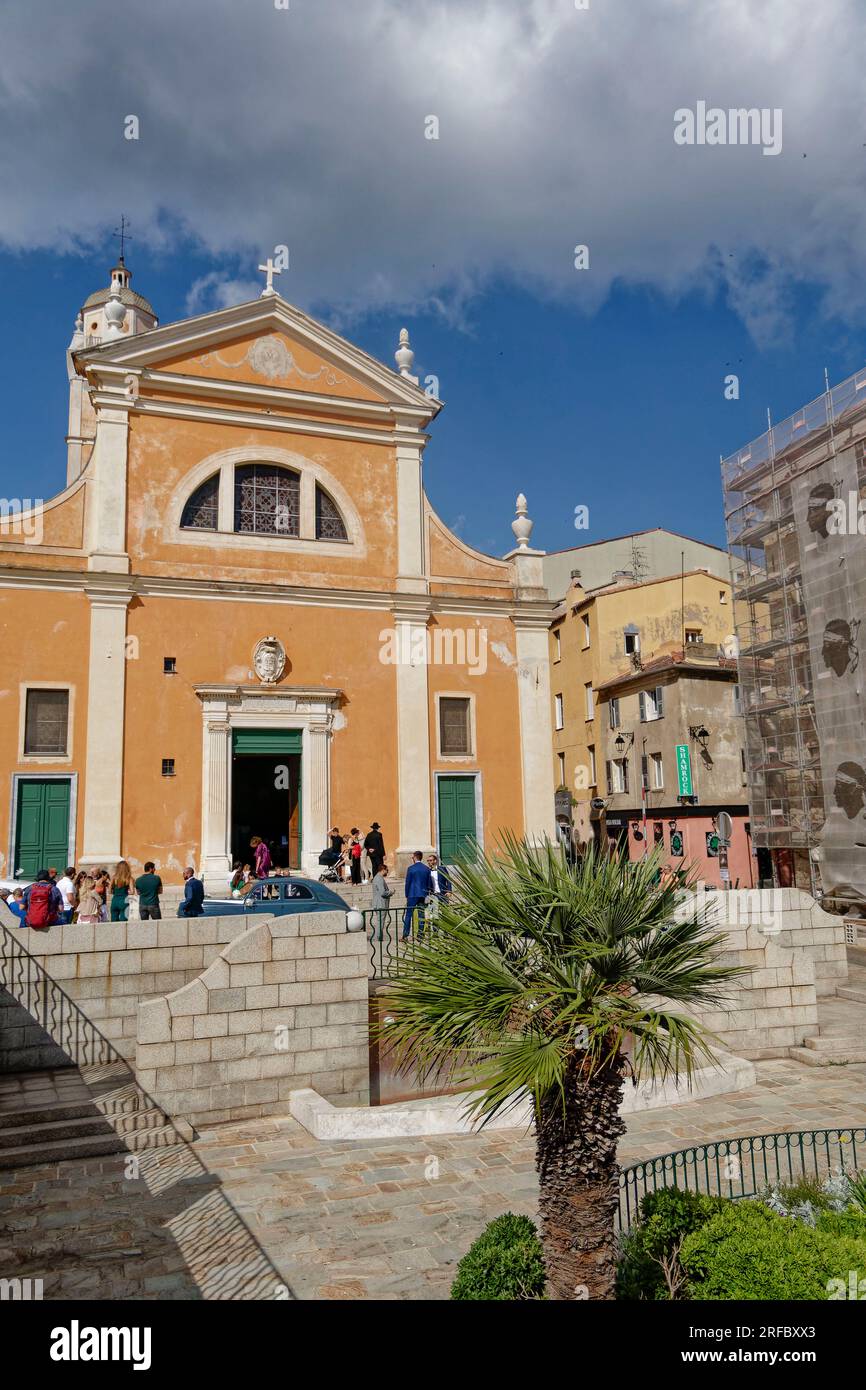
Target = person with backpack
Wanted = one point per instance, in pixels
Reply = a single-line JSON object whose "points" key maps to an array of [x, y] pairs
{"points": [[43, 903]]}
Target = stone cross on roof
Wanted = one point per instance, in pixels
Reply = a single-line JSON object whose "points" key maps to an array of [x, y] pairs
{"points": [[270, 270]]}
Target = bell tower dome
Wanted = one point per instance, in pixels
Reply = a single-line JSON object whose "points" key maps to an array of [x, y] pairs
{"points": [[114, 312]]}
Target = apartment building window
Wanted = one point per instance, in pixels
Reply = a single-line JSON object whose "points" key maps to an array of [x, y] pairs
{"points": [[46, 722], [593, 778], [658, 772], [455, 727], [558, 711], [620, 775], [652, 704], [560, 757], [631, 638], [590, 702], [608, 777], [723, 596], [644, 772], [738, 700], [585, 621], [613, 712], [694, 634], [557, 645]]}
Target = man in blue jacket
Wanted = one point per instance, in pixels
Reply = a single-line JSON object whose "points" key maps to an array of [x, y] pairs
{"points": [[419, 886], [193, 895]]}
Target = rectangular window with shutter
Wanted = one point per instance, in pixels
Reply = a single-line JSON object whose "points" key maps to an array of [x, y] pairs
{"points": [[608, 776], [455, 727], [46, 723]]}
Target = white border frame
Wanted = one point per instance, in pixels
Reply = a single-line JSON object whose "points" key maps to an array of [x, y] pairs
{"points": [[456, 758]]}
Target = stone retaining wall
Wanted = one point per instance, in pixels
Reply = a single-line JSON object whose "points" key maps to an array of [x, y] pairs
{"points": [[282, 1007]]}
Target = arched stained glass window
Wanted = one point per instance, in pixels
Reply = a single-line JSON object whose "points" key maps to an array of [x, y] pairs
{"points": [[201, 511], [329, 524], [267, 500]]}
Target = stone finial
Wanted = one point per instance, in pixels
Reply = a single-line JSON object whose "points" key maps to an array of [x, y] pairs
{"points": [[404, 356], [78, 339], [115, 313], [521, 525]]}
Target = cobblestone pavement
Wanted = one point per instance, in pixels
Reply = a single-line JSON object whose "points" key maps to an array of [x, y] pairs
{"points": [[350, 1220]]}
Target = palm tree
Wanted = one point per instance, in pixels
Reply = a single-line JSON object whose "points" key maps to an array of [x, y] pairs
{"points": [[556, 981]]}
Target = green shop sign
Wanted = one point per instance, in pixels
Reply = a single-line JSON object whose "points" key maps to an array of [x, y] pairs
{"points": [[684, 769]]}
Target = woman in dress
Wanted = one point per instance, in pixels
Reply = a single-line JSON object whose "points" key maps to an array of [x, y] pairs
{"points": [[121, 887], [263, 856]]}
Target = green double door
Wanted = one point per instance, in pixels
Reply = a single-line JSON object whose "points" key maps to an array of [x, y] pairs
{"points": [[42, 825], [457, 822]]}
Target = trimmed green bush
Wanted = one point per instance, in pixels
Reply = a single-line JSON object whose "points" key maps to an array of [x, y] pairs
{"points": [[666, 1216], [504, 1264], [746, 1251]]}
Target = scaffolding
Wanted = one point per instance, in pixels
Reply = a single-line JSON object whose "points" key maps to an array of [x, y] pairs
{"points": [[799, 589]]}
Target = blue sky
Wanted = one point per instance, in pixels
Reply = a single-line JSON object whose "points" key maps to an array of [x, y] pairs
{"points": [[555, 128]]}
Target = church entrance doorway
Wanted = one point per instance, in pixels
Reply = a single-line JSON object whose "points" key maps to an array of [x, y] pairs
{"points": [[266, 794]]}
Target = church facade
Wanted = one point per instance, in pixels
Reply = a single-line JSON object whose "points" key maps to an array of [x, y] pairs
{"points": [[242, 616]]}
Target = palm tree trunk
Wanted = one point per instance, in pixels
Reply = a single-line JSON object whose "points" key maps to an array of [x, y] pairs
{"points": [[576, 1144]]}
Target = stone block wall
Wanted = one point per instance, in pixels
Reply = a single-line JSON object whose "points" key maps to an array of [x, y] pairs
{"points": [[281, 1008], [806, 928], [108, 968]]}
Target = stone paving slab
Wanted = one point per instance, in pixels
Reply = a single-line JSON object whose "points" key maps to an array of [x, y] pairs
{"points": [[354, 1220]]}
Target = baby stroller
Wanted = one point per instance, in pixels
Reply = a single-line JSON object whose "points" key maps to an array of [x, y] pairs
{"points": [[333, 860]]}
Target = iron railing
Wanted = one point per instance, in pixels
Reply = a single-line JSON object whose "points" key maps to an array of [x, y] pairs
{"points": [[34, 989], [389, 953], [741, 1167]]}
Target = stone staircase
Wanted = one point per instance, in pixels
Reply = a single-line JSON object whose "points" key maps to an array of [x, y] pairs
{"points": [[841, 1035], [47, 1116], [65, 1090]]}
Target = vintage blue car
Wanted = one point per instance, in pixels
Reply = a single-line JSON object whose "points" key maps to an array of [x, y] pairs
{"points": [[276, 896]]}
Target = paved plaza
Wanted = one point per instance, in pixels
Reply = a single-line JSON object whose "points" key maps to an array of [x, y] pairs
{"points": [[351, 1220]]}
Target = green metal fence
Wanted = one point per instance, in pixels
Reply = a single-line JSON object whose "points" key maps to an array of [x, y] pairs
{"points": [[389, 952], [742, 1167]]}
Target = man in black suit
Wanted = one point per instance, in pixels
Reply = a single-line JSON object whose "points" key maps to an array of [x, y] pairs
{"points": [[374, 844]]}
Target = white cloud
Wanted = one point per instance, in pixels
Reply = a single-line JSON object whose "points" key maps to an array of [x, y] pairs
{"points": [[218, 290], [305, 126]]}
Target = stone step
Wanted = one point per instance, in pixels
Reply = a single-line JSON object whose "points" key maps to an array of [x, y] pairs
{"points": [[844, 1050], [834, 1042], [55, 1151], [44, 1113], [855, 992], [41, 1133]]}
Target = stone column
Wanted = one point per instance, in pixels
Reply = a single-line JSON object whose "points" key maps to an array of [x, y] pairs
{"points": [[316, 793], [536, 732], [106, 493], [216, 860], [410, 515], [413, 739], [106, 691]]}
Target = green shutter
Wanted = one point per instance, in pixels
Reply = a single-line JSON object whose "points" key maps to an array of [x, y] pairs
{"points": [[42, 825], [456, 815], [267, 741]]}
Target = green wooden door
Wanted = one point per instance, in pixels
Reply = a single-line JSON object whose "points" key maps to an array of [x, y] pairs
{"points": [[456, 815], [42, 825]]}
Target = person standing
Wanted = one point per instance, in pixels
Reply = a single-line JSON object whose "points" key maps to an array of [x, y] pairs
{"points": [[419, 886], [66, 888], [441, 891], [382, 895], [262, 856], [121, 887], [42, 903], [193, 895], [148, 886], [355, 852], [90, 904], [374, 844]]}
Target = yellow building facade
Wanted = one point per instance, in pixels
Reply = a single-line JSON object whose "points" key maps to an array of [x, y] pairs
{"points": [[599, 634], [242, 616]]}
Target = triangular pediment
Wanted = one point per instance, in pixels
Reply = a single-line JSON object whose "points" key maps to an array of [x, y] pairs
{"points": [[266, 343]]}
